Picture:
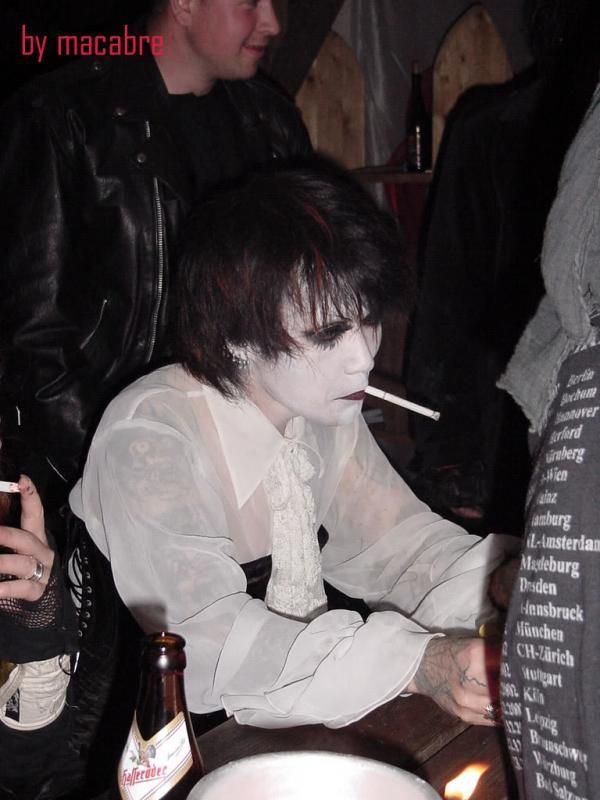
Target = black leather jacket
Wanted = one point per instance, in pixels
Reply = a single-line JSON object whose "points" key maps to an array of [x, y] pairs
{"points": [[93, 191]]}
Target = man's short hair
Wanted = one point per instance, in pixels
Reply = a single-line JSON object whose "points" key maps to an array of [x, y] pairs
{"points": [[308, 235]]}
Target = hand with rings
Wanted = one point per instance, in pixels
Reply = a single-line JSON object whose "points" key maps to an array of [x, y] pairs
{"points": [[492, 712], [31, 561]]}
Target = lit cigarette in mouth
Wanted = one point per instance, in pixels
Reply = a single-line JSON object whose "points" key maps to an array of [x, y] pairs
{"points": [[400, 401], [9, 486]]}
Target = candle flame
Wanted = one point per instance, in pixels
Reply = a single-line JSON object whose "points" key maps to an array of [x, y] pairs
{"points": [[463, 786]]}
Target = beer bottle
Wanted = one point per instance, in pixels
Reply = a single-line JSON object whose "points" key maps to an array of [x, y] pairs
{"points": [[418, 127], [161, 758]]}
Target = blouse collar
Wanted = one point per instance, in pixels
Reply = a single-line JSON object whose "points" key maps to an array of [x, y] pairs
{"points": [[250, 441]]}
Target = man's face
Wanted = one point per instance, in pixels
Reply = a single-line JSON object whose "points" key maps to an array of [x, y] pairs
{"points": [[323, 382], [229, 37]]}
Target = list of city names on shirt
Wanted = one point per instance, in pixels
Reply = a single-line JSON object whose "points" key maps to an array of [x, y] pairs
{"points": [[539, 671]]}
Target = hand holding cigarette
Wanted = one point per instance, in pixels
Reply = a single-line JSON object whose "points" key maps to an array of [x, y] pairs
{"points": [[26, 555]]}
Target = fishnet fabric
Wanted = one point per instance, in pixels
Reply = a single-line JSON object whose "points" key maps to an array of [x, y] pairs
{"points": [[42, 613], [34, 631]]}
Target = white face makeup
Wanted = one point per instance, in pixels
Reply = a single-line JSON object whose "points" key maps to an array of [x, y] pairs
{"points": [[325, 380]]}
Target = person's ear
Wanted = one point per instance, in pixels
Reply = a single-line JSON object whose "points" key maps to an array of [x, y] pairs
{"points": [[241, 355], [182, 11]]}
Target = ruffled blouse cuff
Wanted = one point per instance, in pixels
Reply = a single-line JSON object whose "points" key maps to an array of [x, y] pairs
{"points": [[363, 670]]}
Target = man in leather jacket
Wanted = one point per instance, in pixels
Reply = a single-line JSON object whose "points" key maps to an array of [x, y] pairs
{"points": [[100, 162]]}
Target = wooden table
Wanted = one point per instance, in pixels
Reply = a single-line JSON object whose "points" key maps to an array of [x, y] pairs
{"points": [[390, 173], [412, 733]]}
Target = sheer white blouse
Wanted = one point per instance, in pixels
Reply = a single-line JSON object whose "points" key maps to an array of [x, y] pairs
{"points": [[181, 486]]}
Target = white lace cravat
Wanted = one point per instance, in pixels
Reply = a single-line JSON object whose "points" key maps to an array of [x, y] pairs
{"points": [[296, 585]]}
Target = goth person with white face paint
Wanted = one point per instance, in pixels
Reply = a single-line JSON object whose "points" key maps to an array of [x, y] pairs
{"points": [[208, 480]]}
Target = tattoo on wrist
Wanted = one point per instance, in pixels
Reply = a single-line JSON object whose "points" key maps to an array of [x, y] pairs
{"points": [[441, 657]]}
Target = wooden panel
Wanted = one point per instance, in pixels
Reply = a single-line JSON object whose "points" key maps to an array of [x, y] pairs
{"points": [[471, 53], [307, 24], [332, 102]]}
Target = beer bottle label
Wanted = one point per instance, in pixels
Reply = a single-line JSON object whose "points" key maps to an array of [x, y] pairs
{"points": [[149, 769]]}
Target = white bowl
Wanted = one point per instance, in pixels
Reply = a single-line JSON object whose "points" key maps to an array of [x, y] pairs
{"points": [[310, 776]]}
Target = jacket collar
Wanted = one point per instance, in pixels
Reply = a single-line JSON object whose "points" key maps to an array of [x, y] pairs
{"points": [[149, 105], [138, 95]]}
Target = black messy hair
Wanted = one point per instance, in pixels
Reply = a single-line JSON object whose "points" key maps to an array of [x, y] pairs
{"points": [[309, 235]]}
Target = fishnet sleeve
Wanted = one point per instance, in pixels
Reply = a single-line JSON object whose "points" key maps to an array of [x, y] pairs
{"points": [[42, 629]]}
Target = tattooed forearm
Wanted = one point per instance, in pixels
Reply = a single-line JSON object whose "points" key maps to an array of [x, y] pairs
{"points": [[446, 662], [465, 678], [455, 672], [432, 676]]}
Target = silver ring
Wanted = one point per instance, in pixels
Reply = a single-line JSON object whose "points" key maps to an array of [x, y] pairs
{"points": [[491, 712], [38, 572]]}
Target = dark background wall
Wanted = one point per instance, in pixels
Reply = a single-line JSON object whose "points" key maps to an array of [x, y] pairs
{"points": [[52, 17]]}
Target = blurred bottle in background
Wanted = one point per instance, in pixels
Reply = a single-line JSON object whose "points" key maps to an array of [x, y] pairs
{"points": [[418, 126]]}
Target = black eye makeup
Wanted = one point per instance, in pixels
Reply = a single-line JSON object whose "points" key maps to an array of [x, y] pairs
{"points": [[327, 336]]}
